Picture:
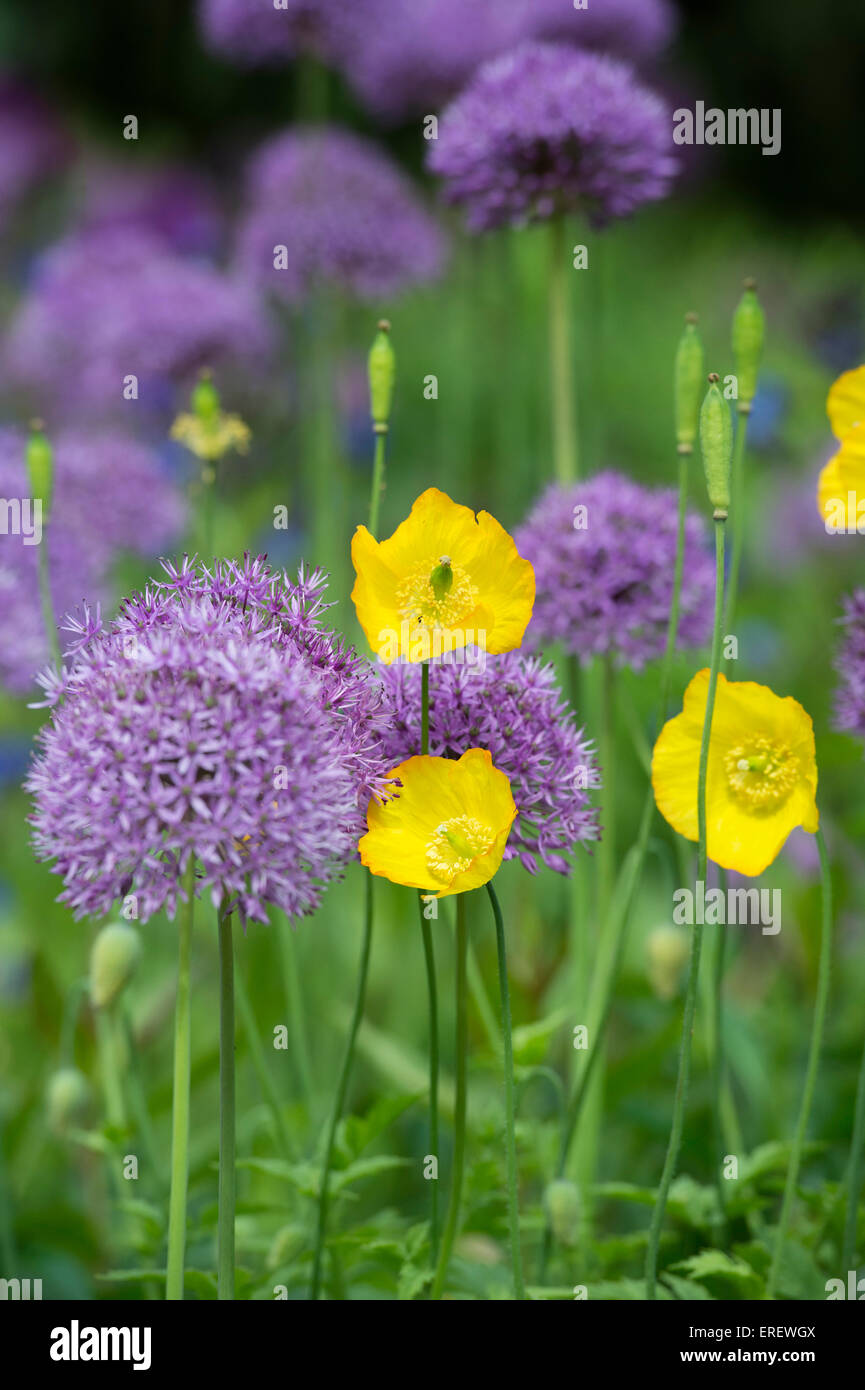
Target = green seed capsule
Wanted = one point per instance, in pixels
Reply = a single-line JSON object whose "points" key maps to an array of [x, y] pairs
{"points": [[562, 1199], [115, 954], [442, 578], [749, 331], [67, 1097], [382, 374], [40, 465], [205, 399], [716, 443], [689, 376]]}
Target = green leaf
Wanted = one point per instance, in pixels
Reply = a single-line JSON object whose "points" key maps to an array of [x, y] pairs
{"points": [[366, 1168], [724, 1275], [531, 1040]]}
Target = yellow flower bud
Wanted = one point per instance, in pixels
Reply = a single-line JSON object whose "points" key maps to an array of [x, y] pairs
{"points": [[67, 1097], [716, 443], [749, 329], [115, 954], [382, 374], [668, 949], [689, 376]]}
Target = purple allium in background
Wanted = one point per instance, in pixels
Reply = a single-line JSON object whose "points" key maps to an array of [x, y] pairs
{"points": [[548, 129], [33, 145], [110, 495], [605, 588], [512, 707], [633, 29], [345, 214], [256, 32], [850, 667], [215, 719], [139, 309], [176, 204]]}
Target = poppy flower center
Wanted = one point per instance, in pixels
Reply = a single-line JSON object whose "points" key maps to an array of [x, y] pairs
{"points": [[436, 593], [455, 844], [761, 774]]}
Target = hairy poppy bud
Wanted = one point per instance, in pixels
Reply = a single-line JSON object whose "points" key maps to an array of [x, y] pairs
{"points": [[716, 443], [749, 330], [688, 379], [67, 1098], [668, 949], [562, 1199], [382, 374], [115, 954]]}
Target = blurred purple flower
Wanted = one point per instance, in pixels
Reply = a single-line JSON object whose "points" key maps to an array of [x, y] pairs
{"points": [[215, 720], [604, 587], [633, 29], [140, 310], [344, 214], [110, 495], [547, 130], [850, 667], [511, 706], [33, 145], [175, 204], [257, 32]]}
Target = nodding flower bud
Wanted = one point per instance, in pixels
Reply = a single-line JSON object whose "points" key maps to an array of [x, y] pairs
{"points": [[668, 949], [749, 330], [716, 443], [40, 465], [67, 1097], [382, 374], [442, 578], [689, 376], [205, 398], [115, 954], [562, 1199]]}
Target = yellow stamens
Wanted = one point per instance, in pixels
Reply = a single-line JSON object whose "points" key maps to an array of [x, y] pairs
{"points": [[761, 774], [455, 844]]}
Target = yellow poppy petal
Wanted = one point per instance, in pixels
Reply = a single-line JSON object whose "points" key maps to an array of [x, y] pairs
{"points": [[845, 404]]}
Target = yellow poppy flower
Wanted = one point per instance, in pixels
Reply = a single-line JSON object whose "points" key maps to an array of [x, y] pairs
{"points": [[845, 404], [762, 775], [445, 829], [444, 580], [210, 439], [841, 485]]}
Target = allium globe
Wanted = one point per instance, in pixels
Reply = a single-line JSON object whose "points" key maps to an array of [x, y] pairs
{"points": [[604, 554], [850, 667], [214, 720], [511, 706], [546, 130]]}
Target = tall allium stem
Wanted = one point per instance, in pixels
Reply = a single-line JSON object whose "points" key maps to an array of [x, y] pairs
{"points": [[342, 1088], [738, 512], [255, 1044], [180, 1100], [294, 1004], [853, 1179], [817, 1027], [432, 998], [510, 1117], [48, 617], [227, 1173], [564, 419], [460, 1068], [681, 1094]]}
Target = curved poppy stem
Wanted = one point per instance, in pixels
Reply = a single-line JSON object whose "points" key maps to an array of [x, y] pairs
{"points": [[453, 1217], [823, 974], [510, 1121], [227, 1173], [684, 1076]]}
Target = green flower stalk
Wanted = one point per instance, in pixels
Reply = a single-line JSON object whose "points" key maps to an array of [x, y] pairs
{"points": [[180, 1098], [39, 458], [564, 414], [461, 1084], [209, 433], [749, 331], [227, 1172], [510, 1108]]}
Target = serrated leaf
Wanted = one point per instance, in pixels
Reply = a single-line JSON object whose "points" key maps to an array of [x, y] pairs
{"points": [[722, 1273]]}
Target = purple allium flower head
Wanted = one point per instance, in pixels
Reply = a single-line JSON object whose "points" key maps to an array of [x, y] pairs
{"points": [[110, 495], [214, 720], [140, 310], [175, 204], [633, 29], [604, 575], [32, 144], [548, 129], [511, 706], [344, 214], [257, 32], [850, 667]]}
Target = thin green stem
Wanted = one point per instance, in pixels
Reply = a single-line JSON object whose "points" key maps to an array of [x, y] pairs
{"points": [[453, 1216], [853, 1180], [738, 512], [341, 1091], [564, 419], [432, 1003], [681, 1095], [673, 620], [227, 1170], [817, 1029], [424, 708], [510, 1115], [208, 511], [294, 1003], [138, 1098], [48, 617], [377, 487], [257, 1052], [112, 1086], [180, 1099]]}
